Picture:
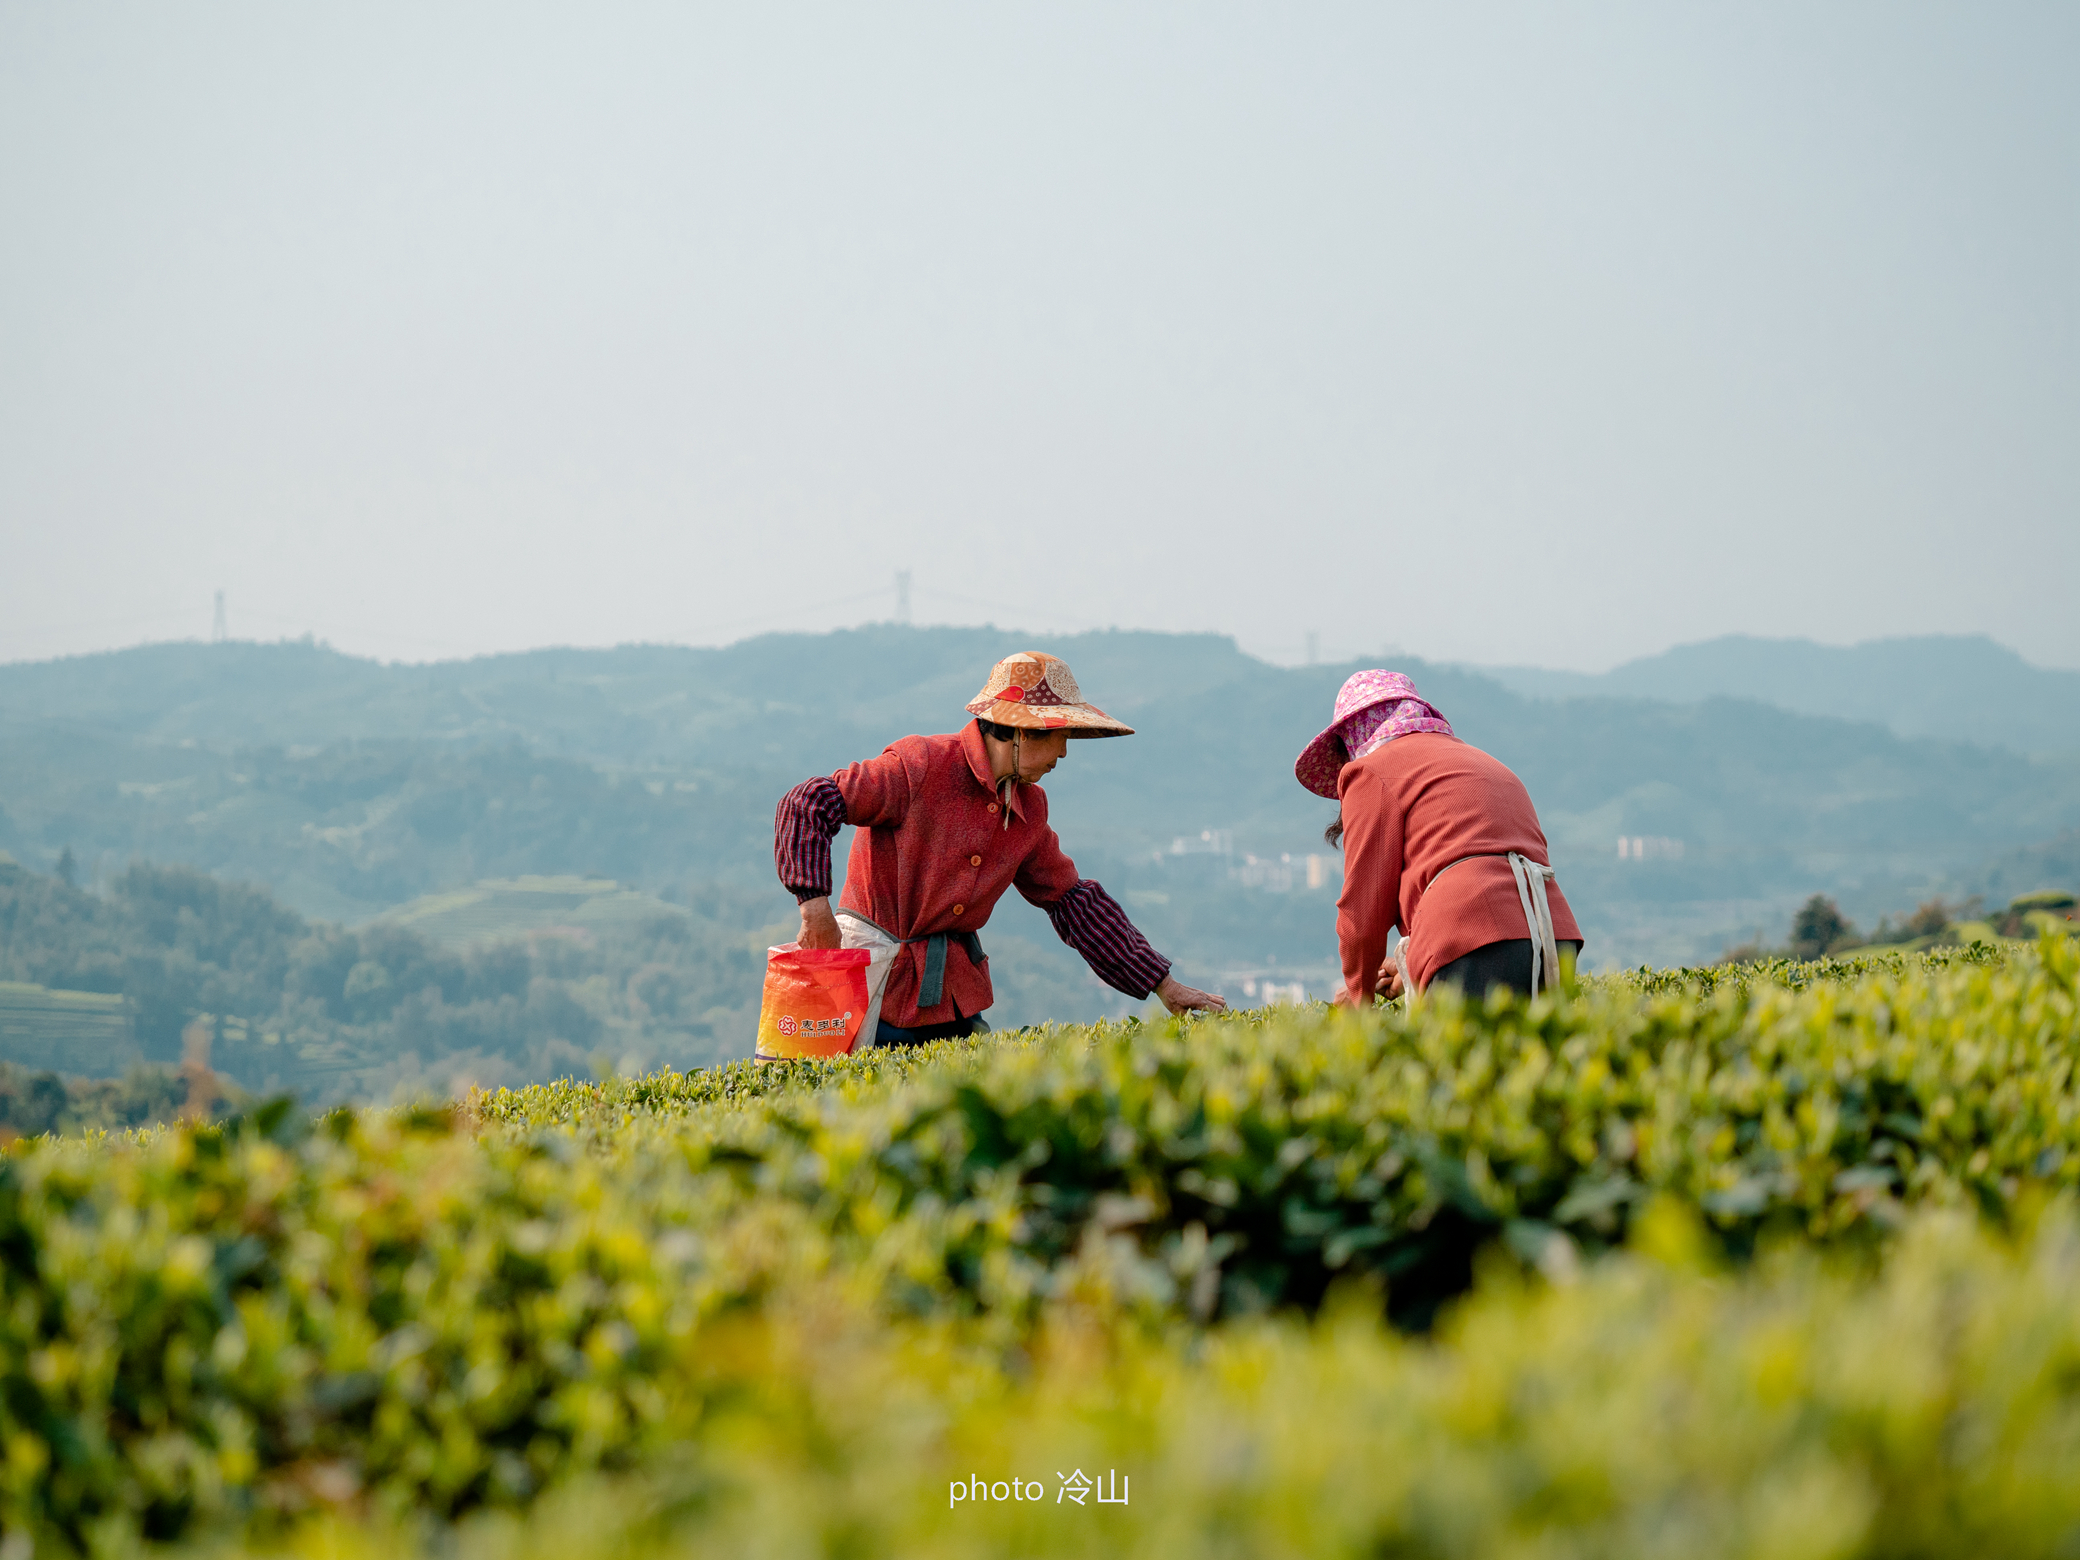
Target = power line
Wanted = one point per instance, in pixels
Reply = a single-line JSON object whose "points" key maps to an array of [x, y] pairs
{"points": [[994, 610], [329, 631]]}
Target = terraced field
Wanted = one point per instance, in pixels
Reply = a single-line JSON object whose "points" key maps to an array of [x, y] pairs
{"points": [[517, 907], [83, 1033]]}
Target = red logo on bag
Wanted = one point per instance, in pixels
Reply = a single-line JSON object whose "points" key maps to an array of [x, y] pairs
{"points": [[786, 1024]]}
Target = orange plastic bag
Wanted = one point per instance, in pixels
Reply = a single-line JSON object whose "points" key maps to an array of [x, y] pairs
{"points": [[815, 1002]]}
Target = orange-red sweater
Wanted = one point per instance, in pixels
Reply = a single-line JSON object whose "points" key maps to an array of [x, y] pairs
{"points": [[933, 855], [1410, 809]]}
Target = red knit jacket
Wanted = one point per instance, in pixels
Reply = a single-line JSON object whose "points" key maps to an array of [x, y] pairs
{"points": [[1412, 808], [932, 854]]}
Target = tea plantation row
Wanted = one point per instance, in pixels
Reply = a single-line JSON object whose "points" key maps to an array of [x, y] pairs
{"points": [[749, 1295]]}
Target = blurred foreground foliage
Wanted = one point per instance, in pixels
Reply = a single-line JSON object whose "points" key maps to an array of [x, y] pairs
{"points": [[1750, 1268], [1650, 1409]]}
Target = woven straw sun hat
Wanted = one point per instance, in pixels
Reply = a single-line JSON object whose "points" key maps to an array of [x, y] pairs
{"points": [[1037, 692]]}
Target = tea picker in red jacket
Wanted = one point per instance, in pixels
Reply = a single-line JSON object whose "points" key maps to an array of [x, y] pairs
{"points": [[946, 825], [1439, 839]]}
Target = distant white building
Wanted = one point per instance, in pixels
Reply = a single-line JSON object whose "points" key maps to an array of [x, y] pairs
{"points": [[1280, 874], [1287, 872], [1265, 993], [1649, 847], [1263, 872]]}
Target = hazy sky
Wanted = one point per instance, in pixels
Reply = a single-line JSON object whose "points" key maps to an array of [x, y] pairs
{"points": [[1549, 334]]}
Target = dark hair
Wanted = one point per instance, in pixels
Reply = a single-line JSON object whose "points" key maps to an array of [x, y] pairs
{"points": [[1333, 835], [1000, 731]]}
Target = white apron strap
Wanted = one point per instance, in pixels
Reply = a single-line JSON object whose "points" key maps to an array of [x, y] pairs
{"points": [[1538, 916]]}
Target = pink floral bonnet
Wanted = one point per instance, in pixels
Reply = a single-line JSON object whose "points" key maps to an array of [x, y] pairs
{"points": [[1372, 708]]}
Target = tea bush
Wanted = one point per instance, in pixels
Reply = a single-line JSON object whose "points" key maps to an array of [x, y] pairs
{"points": [[1650, 1409], [1247, 1162], [420, 1315], [1840, 969]]}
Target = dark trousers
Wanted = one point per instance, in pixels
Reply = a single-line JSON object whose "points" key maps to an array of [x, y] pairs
{"points": [[888, 1034], [1497, 964]]}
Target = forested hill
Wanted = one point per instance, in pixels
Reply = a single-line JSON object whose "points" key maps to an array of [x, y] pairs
{"points": [[1956, 686], [347, 786], [278, 1003]]}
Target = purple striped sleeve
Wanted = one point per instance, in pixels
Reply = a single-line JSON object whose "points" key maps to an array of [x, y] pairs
{"points": [[804, 824], [1090, 920]]}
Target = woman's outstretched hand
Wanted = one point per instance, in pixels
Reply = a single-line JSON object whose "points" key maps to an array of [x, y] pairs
{"points": [[1180, 998], [819, 926], [1389, 983]]}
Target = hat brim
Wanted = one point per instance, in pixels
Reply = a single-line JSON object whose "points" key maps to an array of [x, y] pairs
{"points": [[1320, 762], [1079, 720]]}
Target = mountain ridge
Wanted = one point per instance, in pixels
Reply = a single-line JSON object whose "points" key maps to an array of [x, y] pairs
{"points": [[350, 787], [1964, 686]]}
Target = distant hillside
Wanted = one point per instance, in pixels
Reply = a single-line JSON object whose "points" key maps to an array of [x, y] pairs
{"points": [[523, 907], [351, 788], [1966, 688], [781, 698], [91, 984], [2053, 864]]}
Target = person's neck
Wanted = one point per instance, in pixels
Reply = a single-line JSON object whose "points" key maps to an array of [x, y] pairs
{"points": [[1003, 760]]}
